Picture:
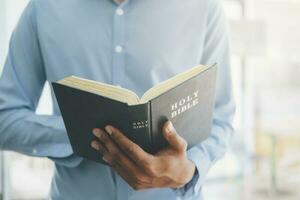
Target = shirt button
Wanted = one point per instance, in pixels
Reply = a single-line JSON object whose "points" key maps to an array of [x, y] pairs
{"points": [[120, 11], [119, 49], [34, 151]]}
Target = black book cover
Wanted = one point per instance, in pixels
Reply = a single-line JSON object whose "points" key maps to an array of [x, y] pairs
{"points": [[189, 106]]}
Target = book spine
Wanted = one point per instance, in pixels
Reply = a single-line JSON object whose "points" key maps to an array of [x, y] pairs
{"points": [[157, 121], [140, 125]]}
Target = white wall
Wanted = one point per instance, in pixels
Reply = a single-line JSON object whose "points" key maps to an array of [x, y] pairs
{"points": [[2, 31], [10, 11]]}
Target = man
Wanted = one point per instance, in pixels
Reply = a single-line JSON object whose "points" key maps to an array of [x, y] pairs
{"points": [[134, 44]]}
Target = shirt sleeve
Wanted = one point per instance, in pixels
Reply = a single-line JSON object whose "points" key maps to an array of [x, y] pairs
{"points": [[216, 49], [21, 84]]}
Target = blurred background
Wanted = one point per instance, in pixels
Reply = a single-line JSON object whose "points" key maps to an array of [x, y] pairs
{"points": [[263, 161]]}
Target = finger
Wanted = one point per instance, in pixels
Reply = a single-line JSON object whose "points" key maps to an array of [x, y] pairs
{"points": [[135, 152], [135, 179], [107, 142], [116, 165], [110, 146], [132, 180], [112, 151], [98, 146], [175, 140]]}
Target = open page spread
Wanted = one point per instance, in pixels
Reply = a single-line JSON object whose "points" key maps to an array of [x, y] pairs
{"points": [[128, 96]]}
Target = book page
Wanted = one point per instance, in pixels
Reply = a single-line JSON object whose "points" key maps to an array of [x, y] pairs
{"points": [[106, 90], [173, 82], [128, 96]]}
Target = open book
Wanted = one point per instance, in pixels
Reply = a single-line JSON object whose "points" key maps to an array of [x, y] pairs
{"points": [[186, 99]]}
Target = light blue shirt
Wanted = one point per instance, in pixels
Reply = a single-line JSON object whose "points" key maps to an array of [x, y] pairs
{"points": [[136, 45]]}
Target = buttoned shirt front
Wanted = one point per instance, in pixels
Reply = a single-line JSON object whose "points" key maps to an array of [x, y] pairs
{"points": [[134, 44]]}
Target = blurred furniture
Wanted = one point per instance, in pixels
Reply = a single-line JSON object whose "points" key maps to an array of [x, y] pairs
{"points": [[279, 117]]}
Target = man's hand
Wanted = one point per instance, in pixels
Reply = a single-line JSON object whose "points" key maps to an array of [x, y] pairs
{"points": [[141, 170]]}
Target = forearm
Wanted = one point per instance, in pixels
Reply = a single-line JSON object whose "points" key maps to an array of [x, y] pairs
{"points": [[25, 132]]}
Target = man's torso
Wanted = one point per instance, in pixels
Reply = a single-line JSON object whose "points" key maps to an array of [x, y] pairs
{"points": [[141, 45]]}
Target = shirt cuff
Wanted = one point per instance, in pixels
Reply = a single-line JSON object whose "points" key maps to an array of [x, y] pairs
{"points": [[202, 164], [70, 161], [57, 148], [61, 154]]}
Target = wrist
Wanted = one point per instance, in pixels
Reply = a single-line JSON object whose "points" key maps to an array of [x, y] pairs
{"points": [[187, 174], [191, 169]]}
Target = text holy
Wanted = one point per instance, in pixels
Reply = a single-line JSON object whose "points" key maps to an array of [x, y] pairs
{"points": [[184, 104], [139, 124]]}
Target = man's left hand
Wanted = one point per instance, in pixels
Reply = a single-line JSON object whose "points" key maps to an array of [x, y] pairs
{"points": [[169, 167]]}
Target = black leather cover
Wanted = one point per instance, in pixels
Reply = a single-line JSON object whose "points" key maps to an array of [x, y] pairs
{"points": [[194, 121], [82, 111]]}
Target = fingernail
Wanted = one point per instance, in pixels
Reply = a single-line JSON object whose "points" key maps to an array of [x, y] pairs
{"points": [[169, 127], [96, 132], [108, 130], [95, 145], [105, 159]]}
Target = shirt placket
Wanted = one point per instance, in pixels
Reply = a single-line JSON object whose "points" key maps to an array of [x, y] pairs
{"points": [[118, 63], [118, 76]]}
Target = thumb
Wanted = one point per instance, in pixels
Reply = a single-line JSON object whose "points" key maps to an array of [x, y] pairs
{"points": [[175, 140]]}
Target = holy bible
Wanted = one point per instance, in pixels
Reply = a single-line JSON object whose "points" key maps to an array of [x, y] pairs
{"points": [[187, 99]]}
